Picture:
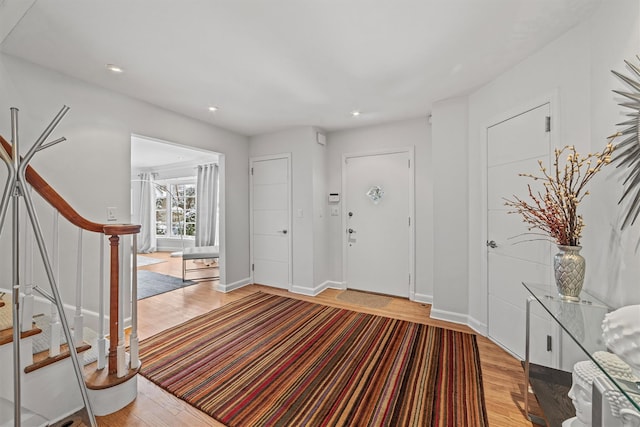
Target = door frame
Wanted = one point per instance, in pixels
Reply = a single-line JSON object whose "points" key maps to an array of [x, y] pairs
{"points": [[551, 98], [410, 151], [252, 160], [222, 199]]}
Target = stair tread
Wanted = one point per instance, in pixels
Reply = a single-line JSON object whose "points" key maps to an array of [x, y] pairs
{"points": [[6, 335], [42, 359], [98, 379], [41, 344]]}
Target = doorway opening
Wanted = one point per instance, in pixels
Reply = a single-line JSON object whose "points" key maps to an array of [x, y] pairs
{"points": [[177, 195]]}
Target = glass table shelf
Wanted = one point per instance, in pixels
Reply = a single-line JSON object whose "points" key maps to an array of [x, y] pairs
{"points": [[581, 320]]}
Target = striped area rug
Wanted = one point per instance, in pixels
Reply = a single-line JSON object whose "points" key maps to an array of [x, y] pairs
{"points": [[267, 360]]}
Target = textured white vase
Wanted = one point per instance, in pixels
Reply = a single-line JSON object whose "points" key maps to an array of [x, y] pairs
{"points": [[568, 269], [621, 333]]}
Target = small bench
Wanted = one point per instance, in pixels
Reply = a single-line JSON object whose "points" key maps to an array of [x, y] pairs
{"points": [[199, 253]]}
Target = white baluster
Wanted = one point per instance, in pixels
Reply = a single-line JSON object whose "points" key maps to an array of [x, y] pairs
{"points": [[120, 349], [102, 344], [78, 320], [133, 340], [28, 299], [56, 327]]}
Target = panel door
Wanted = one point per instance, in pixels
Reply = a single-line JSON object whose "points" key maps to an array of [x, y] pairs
{"points": [[515, 146], [377, 223], [270, 209]]}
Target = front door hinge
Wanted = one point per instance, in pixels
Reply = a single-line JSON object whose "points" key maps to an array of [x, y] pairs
{"points": [[409, 163], [409, 278], [251, 171], [548, 342], [547, 124], [253, 267], [409, 221]]}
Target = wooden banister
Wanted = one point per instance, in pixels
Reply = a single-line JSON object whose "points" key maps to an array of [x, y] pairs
{"points": [[114, 230], [54, 199]]}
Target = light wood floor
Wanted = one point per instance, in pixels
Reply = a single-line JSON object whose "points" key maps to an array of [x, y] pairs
{"points": [[502, 374]]}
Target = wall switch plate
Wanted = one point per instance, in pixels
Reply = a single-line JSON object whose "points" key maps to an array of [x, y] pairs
{"points": [[112, 214]]}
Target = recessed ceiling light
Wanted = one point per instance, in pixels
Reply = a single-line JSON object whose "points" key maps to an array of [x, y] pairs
{"points": [[213, 109], [114, 68], [355, 113]]}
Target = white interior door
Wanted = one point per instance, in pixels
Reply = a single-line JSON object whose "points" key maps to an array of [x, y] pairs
{"points": [[270, 221], [378, 227], [515, 146]]}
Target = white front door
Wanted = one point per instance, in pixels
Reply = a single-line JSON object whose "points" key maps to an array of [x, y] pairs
{"points": [[378, 222], [270, 221], [513, 255]]}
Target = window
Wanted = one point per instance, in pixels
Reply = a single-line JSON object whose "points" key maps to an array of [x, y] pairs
{"points": [[176, 208]]}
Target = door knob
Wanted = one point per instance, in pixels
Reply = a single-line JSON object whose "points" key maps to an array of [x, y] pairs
{"points": [[492, 244], [284, 231], [351, 231]]}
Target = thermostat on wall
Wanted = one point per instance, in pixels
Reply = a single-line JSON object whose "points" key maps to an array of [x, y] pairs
{"points": [[334, 198]]}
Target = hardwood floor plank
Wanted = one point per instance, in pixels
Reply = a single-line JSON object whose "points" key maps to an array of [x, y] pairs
{"points": [[503, 377]]}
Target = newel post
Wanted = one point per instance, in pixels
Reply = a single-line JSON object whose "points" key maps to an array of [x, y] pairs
{"points": [[113, 304], [116, 359]]}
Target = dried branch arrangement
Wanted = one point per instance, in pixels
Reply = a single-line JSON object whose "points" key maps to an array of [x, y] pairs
{"points": [[554, 209]]}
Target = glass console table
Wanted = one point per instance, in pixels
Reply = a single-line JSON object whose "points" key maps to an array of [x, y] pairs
{"points": [[581, 320]]}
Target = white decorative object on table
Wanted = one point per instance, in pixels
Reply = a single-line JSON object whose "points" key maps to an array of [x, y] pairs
{"points": [[630, 418], [621, 333], [619, 406], [580, 393], [620, 412], [614, 366]]}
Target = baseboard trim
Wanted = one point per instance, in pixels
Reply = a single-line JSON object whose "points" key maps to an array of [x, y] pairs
{"points": [[449, 316], [335, 285], [423, 298], [233, 286], [477, 326], [313, 291]]}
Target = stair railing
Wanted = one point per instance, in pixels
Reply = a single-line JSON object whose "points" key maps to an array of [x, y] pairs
{"points": [[21, 174], [54, 321], [28, 298]]}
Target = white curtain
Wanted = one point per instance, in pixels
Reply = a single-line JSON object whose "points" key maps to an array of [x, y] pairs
{"points": [[147, 238], [207, 205]]}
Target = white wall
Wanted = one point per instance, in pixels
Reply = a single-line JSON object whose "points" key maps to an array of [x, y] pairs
{"points": [[574, 69], [613, 258], [321, 215], [92, 169], [307, 177], [416, 133], [450, 201]]}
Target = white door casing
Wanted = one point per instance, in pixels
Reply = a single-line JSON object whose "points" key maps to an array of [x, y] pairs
{"points": [[514, 146], [379, 252], [270, 222]]}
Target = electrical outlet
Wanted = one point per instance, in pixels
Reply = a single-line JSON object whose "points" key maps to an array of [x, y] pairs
{"points": [[112, 214]]}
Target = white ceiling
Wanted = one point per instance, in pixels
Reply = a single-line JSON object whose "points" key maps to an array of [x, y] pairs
{"points": [[270, 65], [151, 153]]}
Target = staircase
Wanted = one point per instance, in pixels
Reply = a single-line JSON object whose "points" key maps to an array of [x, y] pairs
{"points": [[97, 375], [35, 349]]}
